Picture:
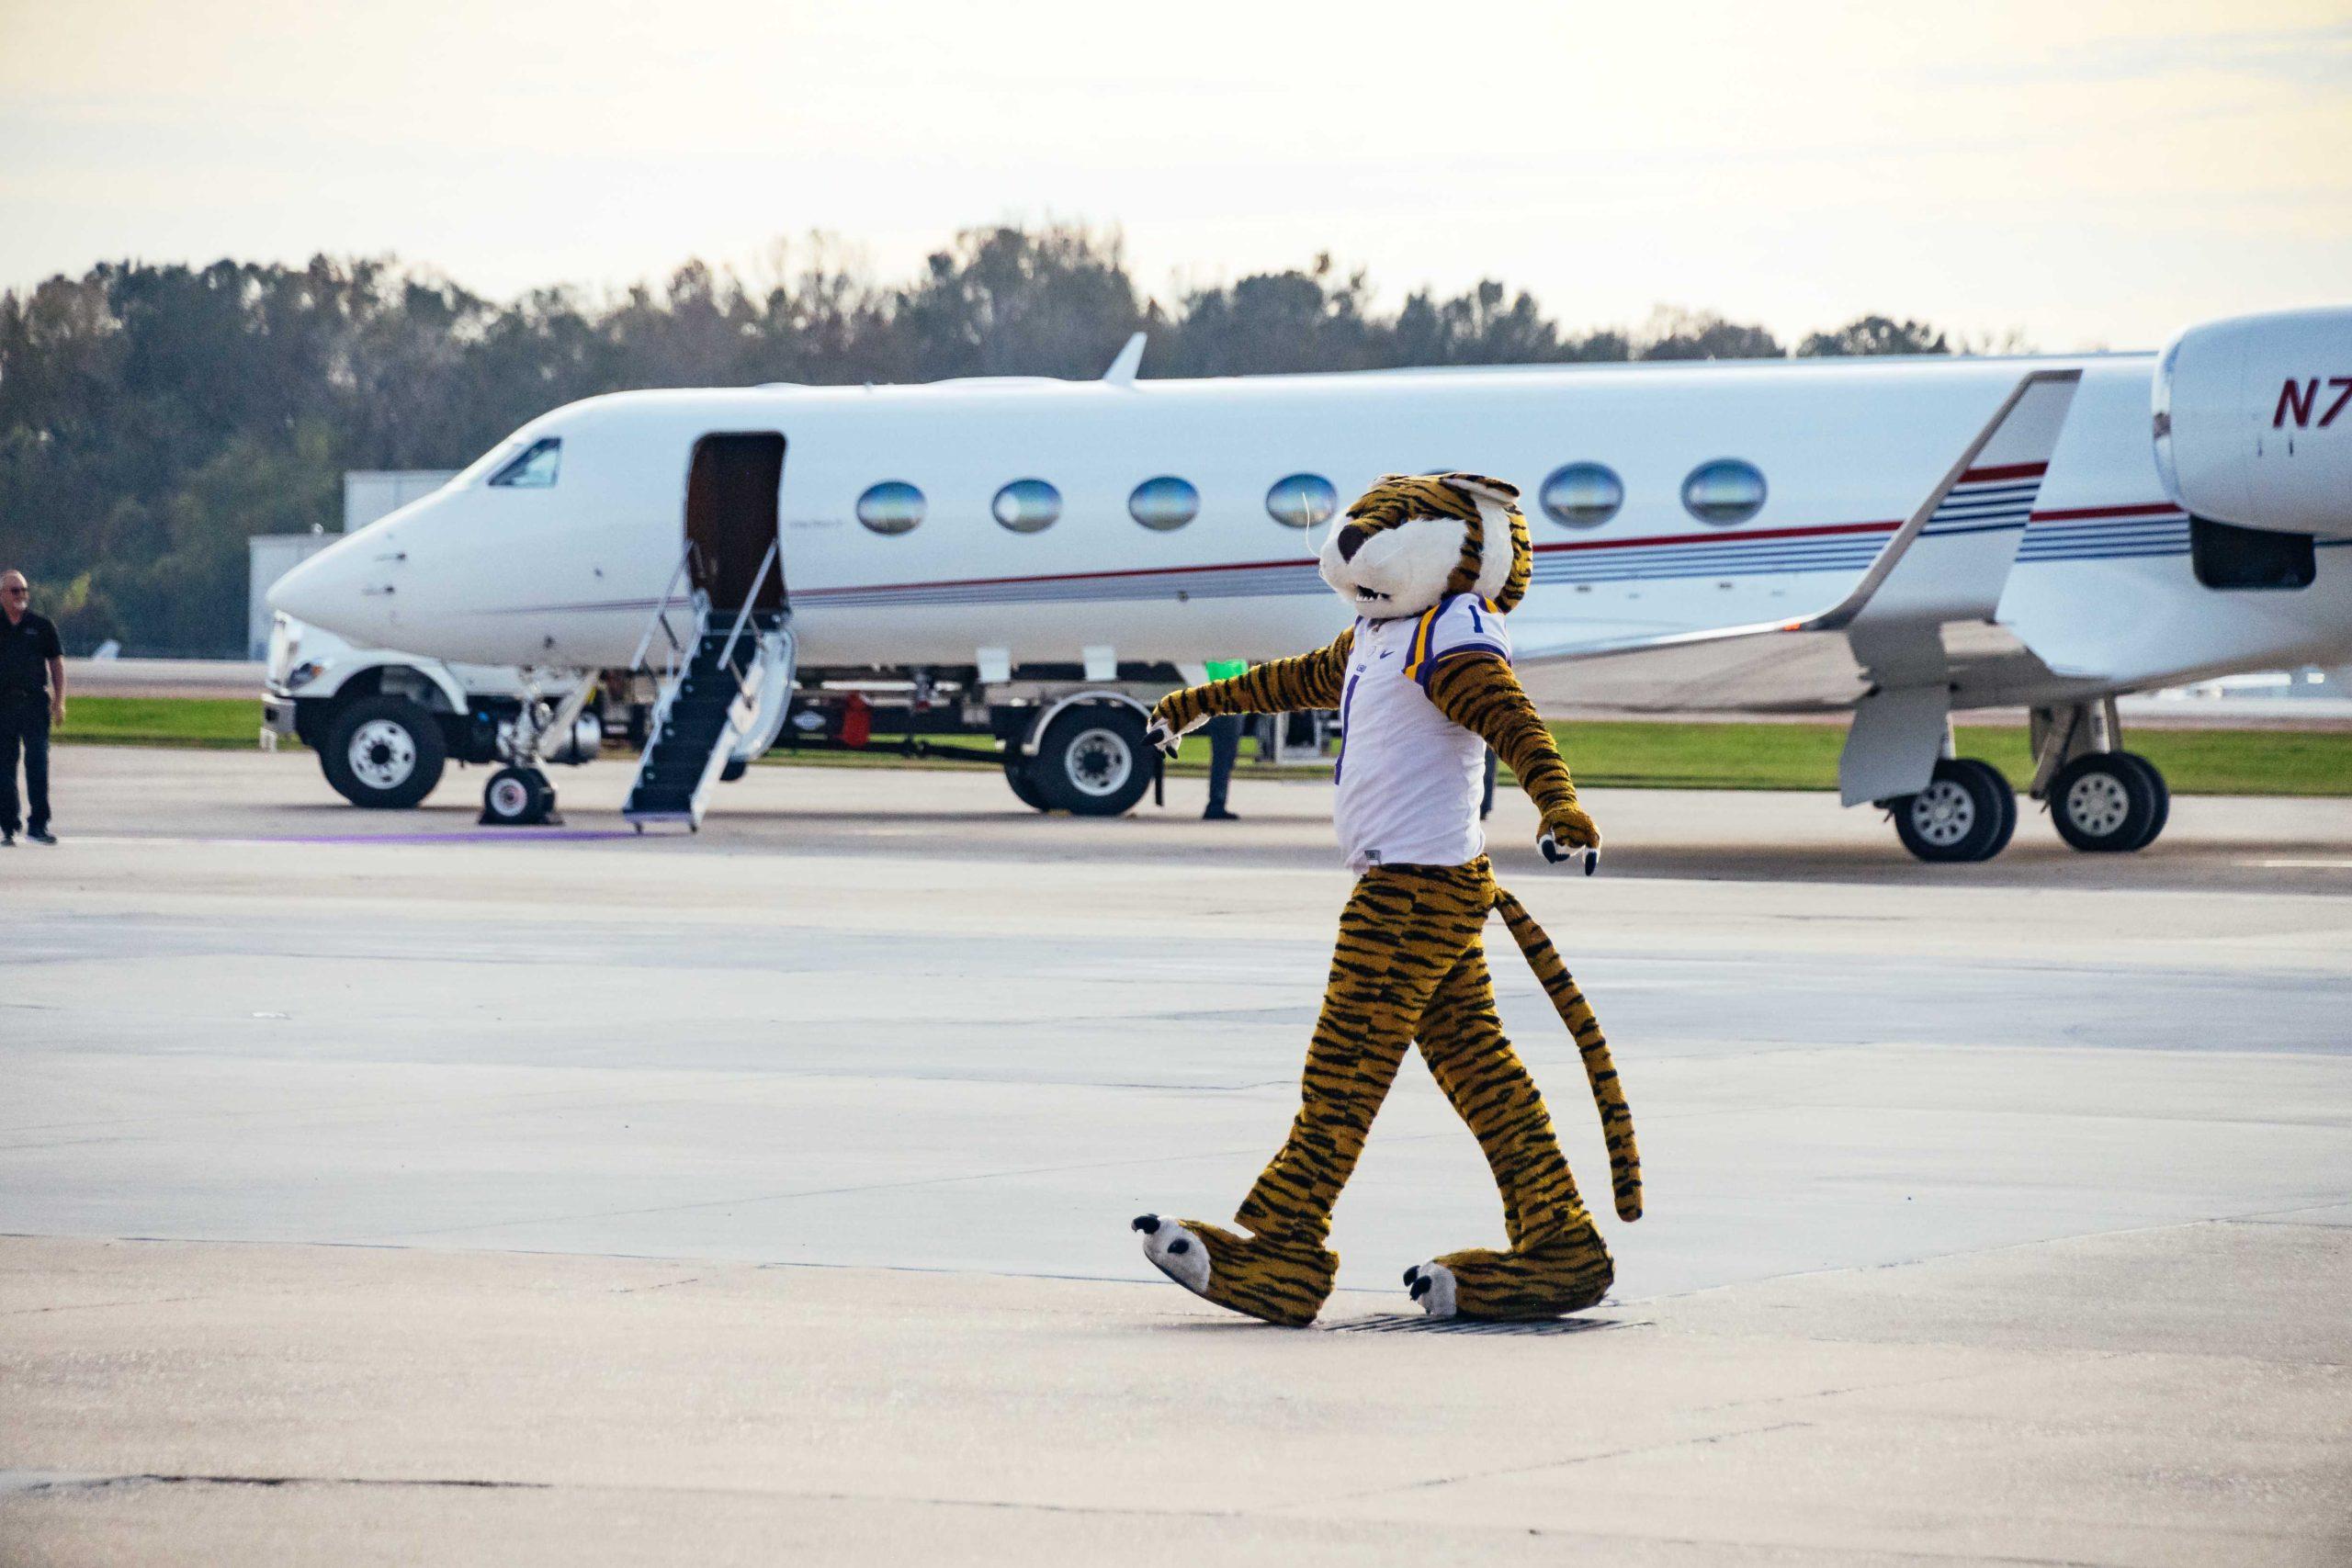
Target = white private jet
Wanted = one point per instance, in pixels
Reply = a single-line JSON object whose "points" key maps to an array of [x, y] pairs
{"points": [[1903, 539]]}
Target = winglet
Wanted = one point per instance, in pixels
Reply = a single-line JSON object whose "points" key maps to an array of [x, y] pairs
{"points": [[1123, 370], [1950, 559]]}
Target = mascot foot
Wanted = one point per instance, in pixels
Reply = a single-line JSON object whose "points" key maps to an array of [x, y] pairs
{"points": [[1566, 1273], [1433, 1286], [1254, 1277]]}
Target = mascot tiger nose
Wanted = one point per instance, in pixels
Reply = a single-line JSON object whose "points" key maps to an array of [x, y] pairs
{"points": [[1431, 565]]}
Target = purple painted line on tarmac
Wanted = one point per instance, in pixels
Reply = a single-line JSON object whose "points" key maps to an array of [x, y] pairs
{"points": [[481, 836]]}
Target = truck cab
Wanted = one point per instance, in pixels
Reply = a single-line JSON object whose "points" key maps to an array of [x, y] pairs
{"points": [[385, 725]]}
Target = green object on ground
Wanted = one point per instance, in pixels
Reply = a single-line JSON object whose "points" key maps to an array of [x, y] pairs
{"points": [[1226, 669]]}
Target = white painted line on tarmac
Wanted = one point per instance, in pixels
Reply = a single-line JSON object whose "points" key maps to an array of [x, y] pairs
{"points": [[2303, 865]]}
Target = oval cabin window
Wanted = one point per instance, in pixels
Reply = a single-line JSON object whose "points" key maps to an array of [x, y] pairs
{"points": [[1165, 503], [893, 506], [1302, 501], [1724, 491], [1582, 495], [1026, 506]]}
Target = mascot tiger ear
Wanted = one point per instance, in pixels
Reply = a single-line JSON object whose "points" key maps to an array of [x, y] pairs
{"points": [[1480, 486], [1506, 554]]}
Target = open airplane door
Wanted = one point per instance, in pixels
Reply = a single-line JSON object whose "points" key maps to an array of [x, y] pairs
{"points": [[1918, 620]]}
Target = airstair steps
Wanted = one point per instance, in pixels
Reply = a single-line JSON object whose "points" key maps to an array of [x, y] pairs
{"points": [[732, 674]]}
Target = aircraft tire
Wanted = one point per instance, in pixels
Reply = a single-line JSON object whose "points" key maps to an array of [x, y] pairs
{"points": [[1957, 817], [1093, 761], [2106, 803], [383, 754], [1024, 787], [516, 797], [2164, 796], [2004, 796]]}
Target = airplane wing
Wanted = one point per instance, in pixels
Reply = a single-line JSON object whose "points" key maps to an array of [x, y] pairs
{"points": [[1919, 621], [1946, 565]]}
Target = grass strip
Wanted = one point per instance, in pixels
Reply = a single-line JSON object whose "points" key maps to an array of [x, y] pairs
{"points": [[1624, 753], [220, 724]]}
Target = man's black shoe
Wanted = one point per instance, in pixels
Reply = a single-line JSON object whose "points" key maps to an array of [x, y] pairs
{"points": [[1219, 813], [7, 839], [40, 835]]}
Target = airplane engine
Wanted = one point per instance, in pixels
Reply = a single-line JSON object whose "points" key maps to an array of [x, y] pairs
{"points": [[2253, 421]]}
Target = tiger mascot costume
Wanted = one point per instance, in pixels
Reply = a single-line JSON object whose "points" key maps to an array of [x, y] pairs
{"points": [[1423, 683]]}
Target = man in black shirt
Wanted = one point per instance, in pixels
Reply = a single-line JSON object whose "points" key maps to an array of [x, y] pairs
{"points": [[32, 697]]}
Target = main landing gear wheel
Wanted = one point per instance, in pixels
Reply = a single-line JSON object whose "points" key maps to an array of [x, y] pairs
{"points": [[2004, 794], [1093, 760], [1966, 813], [518, 797], [385, 753], [2109, 802]]}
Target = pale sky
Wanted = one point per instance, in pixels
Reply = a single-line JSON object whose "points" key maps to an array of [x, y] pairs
{"points": [[2094, 174]]}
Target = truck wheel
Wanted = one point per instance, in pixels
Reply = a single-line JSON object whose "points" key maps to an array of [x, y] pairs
{"points": [[384, 754], [1018, 774], [1093, 760]]}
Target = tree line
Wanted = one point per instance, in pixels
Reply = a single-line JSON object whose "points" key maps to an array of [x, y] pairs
{"points": [[154, 416]]}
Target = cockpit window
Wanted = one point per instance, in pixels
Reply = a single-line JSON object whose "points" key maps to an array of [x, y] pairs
{"points": [[535, 466]]}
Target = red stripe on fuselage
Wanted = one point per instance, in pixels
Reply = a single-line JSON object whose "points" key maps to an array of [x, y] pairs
{"points": [[2068, 514]]}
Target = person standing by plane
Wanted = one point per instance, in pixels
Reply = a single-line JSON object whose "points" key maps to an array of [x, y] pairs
{"points": [[32, 698], [1225, 745]]}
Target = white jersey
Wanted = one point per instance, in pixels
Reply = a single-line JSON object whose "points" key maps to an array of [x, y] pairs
{"points": [[1409, 778]]}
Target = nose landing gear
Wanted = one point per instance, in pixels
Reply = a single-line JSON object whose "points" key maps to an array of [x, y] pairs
{"points": [[518, 797]]}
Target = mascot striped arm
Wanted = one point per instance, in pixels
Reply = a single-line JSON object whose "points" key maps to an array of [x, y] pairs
{"points": [[1431, 565]]}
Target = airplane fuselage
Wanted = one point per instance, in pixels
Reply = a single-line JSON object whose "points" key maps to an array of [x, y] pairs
{"points": [[2104, 589]]}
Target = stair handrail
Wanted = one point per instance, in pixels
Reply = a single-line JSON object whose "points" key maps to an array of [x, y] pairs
{"points": [[660, 620], [726, 652]]}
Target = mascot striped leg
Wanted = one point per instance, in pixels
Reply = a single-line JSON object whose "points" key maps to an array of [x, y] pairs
{"points": [[1557, 1262], [1410, 963], [1402, 931]]}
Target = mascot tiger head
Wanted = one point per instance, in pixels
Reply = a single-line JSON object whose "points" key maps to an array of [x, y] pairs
{"points": [[1414, 540]]}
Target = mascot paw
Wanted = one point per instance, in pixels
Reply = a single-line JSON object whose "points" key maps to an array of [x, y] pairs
{"points": [[1255, 1276], [1571, 827], [1164, 732], [1563, 1273], [1175, 1252], [1432, 1286]]}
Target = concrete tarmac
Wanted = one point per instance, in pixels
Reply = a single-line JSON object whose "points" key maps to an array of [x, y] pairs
{"points": [[566, 1195]]}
